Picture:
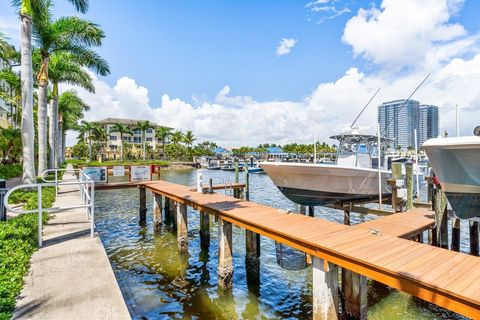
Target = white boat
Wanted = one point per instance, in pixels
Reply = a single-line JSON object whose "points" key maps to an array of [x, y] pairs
{"points": [[456, 163], [351, 178]]}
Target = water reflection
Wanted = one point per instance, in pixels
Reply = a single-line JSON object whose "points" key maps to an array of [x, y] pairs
{"points": [[159, 283]]}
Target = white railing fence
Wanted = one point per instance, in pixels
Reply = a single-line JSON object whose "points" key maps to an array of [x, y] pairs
{"points": [[87, 196]]}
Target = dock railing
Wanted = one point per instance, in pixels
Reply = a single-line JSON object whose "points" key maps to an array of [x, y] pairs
{"points": [[87, 197]]}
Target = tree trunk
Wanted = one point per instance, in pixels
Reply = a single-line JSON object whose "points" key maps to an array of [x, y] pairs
{"points": [[89, 150], [52, 131], [59, 142], [62, 151], [28, 134], [163, 149], [42, 118]]}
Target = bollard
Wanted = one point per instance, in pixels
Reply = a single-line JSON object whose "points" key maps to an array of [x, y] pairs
{"points": [[3, 191]]}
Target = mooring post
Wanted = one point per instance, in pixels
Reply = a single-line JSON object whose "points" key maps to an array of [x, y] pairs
{"points": [[473, 226], [166, 210], [325, 290], [247, 185], [311, 211], [252, 257], [455, 234], [182, 228], [204, 230], [173, 213], [409, 182], [225, 261], [235, 190], [441, 219], [143, 205], [157, 211], [354, 286]]}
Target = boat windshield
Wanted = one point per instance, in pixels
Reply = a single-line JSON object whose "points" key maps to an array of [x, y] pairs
{"points": [[357, 150]]}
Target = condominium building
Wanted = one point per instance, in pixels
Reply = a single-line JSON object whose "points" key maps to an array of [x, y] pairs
{"points": [[399, 120], [428, 123], [112, 151]]}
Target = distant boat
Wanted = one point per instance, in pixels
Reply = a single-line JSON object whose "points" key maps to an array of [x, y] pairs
{"points": [[231, 167], [351, 178], [214, 165], [255, 169], [456, 163]]}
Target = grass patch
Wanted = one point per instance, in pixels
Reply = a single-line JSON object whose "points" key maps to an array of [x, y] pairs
{"points": [[18, 241], [10, 171]]}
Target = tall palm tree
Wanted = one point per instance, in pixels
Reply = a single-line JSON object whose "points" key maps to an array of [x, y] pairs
{"points": [[65, 68], [177, 139], [85, 130], [144, 126], [163, 133], [100, 135], [29, 9], [67, 34], [10, 144], [122, 129], [11, 93], [70, 111]]}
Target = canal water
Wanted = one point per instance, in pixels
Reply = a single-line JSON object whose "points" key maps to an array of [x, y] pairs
{"points": [[159, 283]]}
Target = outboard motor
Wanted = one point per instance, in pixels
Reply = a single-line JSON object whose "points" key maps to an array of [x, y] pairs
{"points": [[476, 131]]}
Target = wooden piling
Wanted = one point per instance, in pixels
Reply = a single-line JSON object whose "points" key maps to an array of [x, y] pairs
{"points": [[441, 218], [225, 261], [143, 205], [354, 287], [166, 211], [204, 230], [325, 290], [311, 211], [473, 226], [157, 212], [252, 257], [409, 183], [182, 228], [455, 234]]}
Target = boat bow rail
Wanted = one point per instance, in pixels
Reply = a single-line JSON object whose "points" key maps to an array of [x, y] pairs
{"points": [[87, 196]]}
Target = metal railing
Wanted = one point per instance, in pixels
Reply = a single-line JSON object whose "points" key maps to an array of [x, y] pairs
{"points": [[87, 197]]}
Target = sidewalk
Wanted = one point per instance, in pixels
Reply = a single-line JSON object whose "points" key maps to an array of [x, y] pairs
{"points": [[70, 277]]}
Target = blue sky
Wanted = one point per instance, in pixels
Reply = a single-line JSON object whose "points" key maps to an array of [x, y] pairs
{"points": [[185, 52]]}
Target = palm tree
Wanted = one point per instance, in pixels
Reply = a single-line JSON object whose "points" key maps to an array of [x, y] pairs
{"points": [[29, 9], [10, 144], [66, 68], [85, 129], [70, 111], [144, 126], [11, 93], [163, 133], [122, 129], [100, 136], [67, 34], [177, 138], [189, 139]]}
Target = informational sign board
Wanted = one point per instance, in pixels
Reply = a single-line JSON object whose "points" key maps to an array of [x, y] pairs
{"points": [[97, 174], [118, 171], [140, 173]]}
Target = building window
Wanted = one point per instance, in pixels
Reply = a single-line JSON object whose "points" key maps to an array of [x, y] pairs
{"points": [[137, 131], [137, 139], [112, 147], [113, 138], [149, 139], [149, 130]]}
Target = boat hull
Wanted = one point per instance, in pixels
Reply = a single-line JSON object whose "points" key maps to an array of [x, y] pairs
{"points": [[456, 163], [319, 185]]}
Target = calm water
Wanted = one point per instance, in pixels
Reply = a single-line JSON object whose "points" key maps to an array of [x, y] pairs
{"points": [[159, 283]]}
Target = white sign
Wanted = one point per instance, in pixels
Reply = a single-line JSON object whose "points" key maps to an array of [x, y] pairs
{"points": [[97, 174], [140, 173], [118, 171]]}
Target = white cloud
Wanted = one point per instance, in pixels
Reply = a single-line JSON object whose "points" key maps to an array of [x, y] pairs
{"points": [[409, 33], [327, 9], [285, 46]]}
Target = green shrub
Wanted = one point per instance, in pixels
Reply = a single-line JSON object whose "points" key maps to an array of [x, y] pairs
{"points": [[10, 171], [81, 163], [18, 241]]}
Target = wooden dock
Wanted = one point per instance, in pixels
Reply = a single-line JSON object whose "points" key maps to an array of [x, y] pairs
{"points": [[374, 249]]}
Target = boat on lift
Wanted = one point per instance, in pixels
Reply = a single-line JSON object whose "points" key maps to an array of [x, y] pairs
{"points": [[351, 178], [456, 163]]}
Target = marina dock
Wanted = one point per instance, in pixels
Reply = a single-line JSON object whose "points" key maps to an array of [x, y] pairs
{"points": [[377, 250]]}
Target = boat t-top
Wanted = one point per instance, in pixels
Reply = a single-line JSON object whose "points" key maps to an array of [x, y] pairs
{"points": [[353, 177]]}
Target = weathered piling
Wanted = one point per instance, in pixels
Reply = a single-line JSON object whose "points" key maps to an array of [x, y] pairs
{"points": [[157, 212], [455, 234], [204, 230], [409, 183], [354, 287], [166, 211], [236, 191], [182, 228], [225, 261], [325, 290], [252, 257], [173, 213], [473, 226], [311, 211], [441, 219], [143, 205]]}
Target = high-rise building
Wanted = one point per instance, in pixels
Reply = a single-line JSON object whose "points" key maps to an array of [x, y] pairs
{"points": [[398, 120], [428, 123]]}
